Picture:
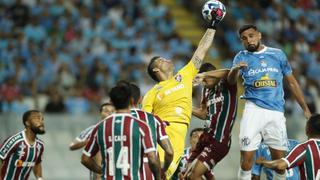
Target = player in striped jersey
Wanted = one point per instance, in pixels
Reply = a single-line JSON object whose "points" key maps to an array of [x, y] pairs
{"points": [[80, 141], [194, 138], [157, 127], [21, 153], [219, 105], [305, 155], [122, 140]]}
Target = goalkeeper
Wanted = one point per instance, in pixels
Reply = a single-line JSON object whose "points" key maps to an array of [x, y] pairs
{"points": [[171, 97]]}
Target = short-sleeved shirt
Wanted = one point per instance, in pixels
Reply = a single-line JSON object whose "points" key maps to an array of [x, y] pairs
{"points": [[263, 151], [263, 77], [307, 157], [156, 125], [171, 99], [85, 134], [19, 157], [122, 140]]}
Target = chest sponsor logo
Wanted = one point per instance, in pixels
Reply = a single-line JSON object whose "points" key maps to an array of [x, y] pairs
{"points": [[265, 81], [253, 72], [174, 89], [215, 100], [20, 163]]}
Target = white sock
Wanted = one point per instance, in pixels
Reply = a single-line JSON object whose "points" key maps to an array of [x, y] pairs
{"points": [[277, 176], [244, 175]]}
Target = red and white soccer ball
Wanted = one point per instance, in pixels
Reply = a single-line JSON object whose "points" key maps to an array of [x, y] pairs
{"points": [[212, 7]]}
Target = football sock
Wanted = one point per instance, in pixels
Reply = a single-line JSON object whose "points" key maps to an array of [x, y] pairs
{"points": [[244, 175]]}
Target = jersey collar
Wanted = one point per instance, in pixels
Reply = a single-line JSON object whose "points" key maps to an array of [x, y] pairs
{"points": [[261, 51]]}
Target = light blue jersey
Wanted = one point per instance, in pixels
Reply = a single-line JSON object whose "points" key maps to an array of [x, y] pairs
{"points": [[263, 77], [263, 150]]}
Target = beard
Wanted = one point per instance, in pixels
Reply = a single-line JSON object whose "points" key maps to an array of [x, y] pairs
{"points": [[37, 130], [253, 47]]}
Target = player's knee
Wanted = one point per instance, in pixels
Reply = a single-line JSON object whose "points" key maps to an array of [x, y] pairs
{"points": [[246, 165]]}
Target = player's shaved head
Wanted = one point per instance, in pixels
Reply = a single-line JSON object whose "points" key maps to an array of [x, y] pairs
{"points": [[27, 114]]}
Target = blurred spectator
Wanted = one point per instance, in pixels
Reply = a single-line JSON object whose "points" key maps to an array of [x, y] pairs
{"points": [[55, 103], [19, 13], [76, 103], [57, 42]]}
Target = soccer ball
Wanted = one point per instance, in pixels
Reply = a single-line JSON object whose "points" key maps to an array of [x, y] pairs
{"points": [[213, 8]]}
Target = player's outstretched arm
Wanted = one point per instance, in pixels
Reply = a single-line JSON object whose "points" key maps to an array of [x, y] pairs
{"points": [[234, 72], [168, 156], [154, 164], [298, 95], [203, 47], [278, 164], [75, 144], [91, 164], [37, 171], [220, 73]]}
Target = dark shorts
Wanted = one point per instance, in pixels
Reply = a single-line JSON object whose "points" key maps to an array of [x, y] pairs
{"points": [[209, 151]]}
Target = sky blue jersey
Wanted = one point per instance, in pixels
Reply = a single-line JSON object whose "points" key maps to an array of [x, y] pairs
{"points": [[263, 150], [263, 77]]}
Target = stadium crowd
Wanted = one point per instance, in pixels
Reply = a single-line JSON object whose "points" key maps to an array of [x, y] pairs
{"points": [[63, 56]]}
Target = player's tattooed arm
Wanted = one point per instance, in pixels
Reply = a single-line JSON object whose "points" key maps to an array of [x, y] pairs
{"points": [[154, 164], [168, 157], [203, 47]]}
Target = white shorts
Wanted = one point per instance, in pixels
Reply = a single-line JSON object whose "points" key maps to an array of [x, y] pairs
{"points": [[259, 124]]}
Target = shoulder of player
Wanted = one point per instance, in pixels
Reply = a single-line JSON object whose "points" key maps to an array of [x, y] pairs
{"points": [[312, 141], [273, 49], [13, 138], [38, 140], [228, 86]]}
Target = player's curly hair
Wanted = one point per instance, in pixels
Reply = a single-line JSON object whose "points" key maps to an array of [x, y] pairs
{"points": [[150, 68]]}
